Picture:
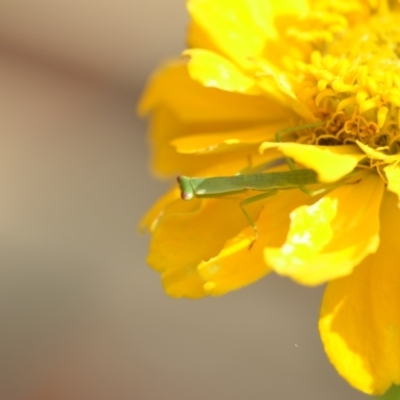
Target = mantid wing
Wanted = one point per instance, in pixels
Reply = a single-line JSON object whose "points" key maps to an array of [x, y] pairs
{"points": [[224, 185]]}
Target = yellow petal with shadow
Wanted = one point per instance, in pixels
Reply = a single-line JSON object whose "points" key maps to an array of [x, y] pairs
{"points": [[198, 38], [213, 70], [330, 238], [240, 29], [246, 32], [181, 107], [167, 161], [237, 265], [360, 315], [150, 219], [330, 162], [276, 84], [223, 141], [184, 238], [172, 87]]}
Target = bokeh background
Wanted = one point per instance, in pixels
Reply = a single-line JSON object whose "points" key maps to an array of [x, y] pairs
{"points": [[81, 315]]}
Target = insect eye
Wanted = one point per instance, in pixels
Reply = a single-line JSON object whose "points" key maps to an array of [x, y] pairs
{"points": [[187, 192]]}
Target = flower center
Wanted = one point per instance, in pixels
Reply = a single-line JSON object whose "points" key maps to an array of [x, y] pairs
{"points": [[351, 81]]}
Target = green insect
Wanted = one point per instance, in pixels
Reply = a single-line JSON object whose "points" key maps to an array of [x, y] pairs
{"points": [[253, 178], [225, 185], [268, 182]]}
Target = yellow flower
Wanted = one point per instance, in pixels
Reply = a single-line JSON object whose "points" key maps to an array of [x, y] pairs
{"points": [[253, 68]]}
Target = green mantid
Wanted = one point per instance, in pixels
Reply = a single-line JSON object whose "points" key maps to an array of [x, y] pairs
{"points": [[269, 183]]}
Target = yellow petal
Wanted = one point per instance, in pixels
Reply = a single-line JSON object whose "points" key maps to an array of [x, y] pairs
{"points": [[392, 173], [181, 107], [360, 317], [150, 219], [331, 237], [237, 264], [222, 141], [167, 161], [172, 87], [275, 83], [213, 70], [331, 163], [184, 238], [198, 38], [240, 29]]}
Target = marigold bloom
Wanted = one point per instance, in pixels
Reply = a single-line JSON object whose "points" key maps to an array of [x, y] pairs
{"points": [[256, 67]]}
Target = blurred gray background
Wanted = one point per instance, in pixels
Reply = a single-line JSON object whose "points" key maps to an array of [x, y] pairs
{"points": [[82, 316]]}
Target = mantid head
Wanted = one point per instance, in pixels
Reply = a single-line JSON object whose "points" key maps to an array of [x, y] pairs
{"points": [[187, 192]]}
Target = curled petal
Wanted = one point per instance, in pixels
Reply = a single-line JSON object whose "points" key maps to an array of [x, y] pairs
{"points": [[378, 154], [330, 238], [360, 317], [331, 163]]}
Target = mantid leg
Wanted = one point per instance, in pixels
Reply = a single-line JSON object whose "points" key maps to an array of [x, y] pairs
{"points": [[292, 165], [285, 131], [270, 164], [263, 167], [250, 200]]}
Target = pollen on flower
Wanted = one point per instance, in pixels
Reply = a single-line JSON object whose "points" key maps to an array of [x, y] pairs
{"points": [[350, 81], [348, 78]]}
